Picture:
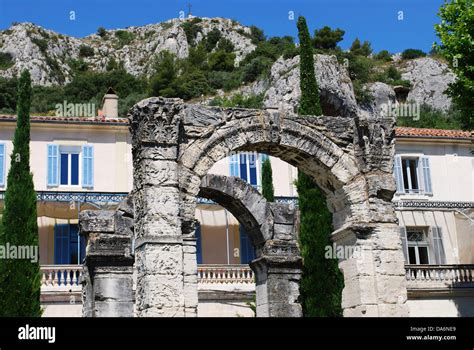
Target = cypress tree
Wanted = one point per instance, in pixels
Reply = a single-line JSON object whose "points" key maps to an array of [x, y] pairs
{"points": [[20, 282], [267, 181], [322, 282]]}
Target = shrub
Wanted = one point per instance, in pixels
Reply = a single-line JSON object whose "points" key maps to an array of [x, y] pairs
{"points": [[256, 35], [191, 29], [6, 60], [41, 43], [212, 39], [221, 61], [240, 101], [256, 68], [86, 51], [363, 96], [383, 55], [412, 53], [101, 32], [360, 68], [124, 37]]}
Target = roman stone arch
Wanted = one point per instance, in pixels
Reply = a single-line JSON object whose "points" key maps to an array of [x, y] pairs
{"points": [[175, 144], [272, 228], [108, 272]]}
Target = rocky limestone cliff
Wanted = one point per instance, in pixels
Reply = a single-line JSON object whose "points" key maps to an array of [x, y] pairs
{"points": [[48, 55], [335, 86], [429, 79]]}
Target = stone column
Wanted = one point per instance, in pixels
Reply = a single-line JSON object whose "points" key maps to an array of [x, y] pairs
{"points": [[160, 246], [278, 273], [107, 281], [374, 274]]}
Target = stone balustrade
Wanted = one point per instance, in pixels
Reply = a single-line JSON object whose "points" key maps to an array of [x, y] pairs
{"points": [[225, 274], [439, 276], [67, 277], [61, 278]]}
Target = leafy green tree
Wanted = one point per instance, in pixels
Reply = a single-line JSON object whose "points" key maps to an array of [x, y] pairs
{"points": [[309, 102], [456, 32], [326, 38], [267, 181], [162, 83], [221, 61], [359, 49], [322, 283], [20, 279], [257, 67], [256, 35], [212, 39], [432, 118], [8, 92]]}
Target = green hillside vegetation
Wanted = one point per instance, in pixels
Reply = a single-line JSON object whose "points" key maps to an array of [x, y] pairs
{"points": [[211, 65]]}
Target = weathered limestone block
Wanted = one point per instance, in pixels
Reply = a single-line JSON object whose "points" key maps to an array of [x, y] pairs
{"points": [[107, 283]]}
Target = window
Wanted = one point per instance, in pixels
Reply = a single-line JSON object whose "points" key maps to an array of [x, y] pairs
{"points": [[422, 245], [417, 247], [69, 248], [69, 168], [2, 163], [245, 165], [412, 175], [65, 164]]}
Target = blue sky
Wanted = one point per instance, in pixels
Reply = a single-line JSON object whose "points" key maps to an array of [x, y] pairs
{"points": [[373, 20]]}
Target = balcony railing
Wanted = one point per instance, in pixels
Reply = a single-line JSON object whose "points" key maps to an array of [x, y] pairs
{"points": [[61, 278], [439, 276], [68, 277], [225, 274], [226, 277]]}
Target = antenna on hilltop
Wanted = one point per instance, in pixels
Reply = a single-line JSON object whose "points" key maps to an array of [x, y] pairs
{"points": [[189, 10]]}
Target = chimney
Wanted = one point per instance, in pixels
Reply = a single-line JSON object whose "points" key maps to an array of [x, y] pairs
{"points": [[110, 104]]}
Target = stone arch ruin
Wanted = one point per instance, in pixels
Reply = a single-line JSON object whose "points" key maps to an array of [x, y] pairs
{"points": [[175, 144]]}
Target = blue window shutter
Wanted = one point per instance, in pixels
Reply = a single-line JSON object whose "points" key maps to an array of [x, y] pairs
{"points": [[234, 165], [403, 237], [198, 243], [243, 166], [61, 244], [2, 164], [247, 251], [87, 166], [397, 168], [253, 169], [425, 164], [53, 164]]}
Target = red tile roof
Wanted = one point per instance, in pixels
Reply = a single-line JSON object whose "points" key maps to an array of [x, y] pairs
{"points": [[72, 120], [433, 133], [399, 131]]}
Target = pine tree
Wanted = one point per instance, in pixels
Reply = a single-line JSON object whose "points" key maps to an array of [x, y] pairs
{"points": [[20, 281], [322, 282], [267, 181]]}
